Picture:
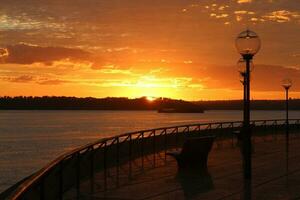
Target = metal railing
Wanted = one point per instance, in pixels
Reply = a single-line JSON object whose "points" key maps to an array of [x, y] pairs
{"points": [[70, 169]]}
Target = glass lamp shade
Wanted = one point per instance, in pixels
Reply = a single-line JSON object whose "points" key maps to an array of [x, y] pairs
{"points": [[247, 43], [286, 83]]}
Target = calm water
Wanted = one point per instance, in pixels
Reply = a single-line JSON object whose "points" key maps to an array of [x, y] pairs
{"points": [[31, 139]]}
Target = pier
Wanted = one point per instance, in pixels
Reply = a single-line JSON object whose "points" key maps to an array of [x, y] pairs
{"points": [[135, 165]]}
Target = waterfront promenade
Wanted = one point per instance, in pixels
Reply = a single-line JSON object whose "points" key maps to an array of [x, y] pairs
{"points": [[161, 180], [145, 172]]}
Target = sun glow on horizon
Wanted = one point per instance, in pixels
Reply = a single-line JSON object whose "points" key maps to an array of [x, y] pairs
{"points": [[150, 98]]}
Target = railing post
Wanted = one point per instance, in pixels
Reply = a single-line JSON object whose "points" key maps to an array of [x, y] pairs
{"points": [[130, 146], [118, 161], [221, 134], [142, 150], [177, 137], [130, 155], [78, 175], [166, 144], [154, 150], [274, 130], [218, 130], [42, 189], [61, 183], [265, 123], [265, 130], [232, 136], [105, 165], [92, 174]]}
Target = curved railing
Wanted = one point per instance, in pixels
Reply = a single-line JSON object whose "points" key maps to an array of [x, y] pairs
{"points": [[68, 170]]}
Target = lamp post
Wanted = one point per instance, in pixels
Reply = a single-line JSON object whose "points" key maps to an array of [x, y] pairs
{"points": [[241, 69], [248, 44], [287, 84]]}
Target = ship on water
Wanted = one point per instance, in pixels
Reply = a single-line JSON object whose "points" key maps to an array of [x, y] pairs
{"points": [[181, 107], [181, 110]]}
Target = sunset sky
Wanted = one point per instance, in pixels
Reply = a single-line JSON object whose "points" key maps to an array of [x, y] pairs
{"points": [[180, 49]]}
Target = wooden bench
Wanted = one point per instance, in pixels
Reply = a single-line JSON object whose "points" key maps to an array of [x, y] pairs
{"points": [[194, 152], [239, 136]]}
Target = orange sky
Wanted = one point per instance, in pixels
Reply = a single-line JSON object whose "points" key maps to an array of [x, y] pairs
{"points": [[171, 48]]}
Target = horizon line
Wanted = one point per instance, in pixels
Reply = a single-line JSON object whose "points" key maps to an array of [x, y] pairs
{"points": [[131, 98]]}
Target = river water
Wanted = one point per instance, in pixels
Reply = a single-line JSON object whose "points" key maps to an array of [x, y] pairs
{"points": [[31, 139]]}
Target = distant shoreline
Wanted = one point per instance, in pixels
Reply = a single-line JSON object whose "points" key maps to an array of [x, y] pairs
{"points": [[79, 109], [138, 104]]}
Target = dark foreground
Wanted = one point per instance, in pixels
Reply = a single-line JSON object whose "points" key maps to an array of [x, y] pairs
{"points": [[136, 166], [273, 176]]}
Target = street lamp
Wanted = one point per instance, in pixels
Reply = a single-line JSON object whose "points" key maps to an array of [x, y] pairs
{"points": [[248, 44], [287, 84], [242, 72], [241, 66]]}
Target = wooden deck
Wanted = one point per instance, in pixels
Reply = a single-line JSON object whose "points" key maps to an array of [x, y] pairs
{"points": [[159, 177]]}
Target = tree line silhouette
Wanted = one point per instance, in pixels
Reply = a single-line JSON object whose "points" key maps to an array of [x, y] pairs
{"points": [[89, 103], [122, 103]]}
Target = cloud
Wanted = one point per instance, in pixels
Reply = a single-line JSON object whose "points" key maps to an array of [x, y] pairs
{"points": [[282, 16], [19, 79], [244, 1], [52, 82], [151, 81], [28, 54], [224, 15], [3, 53], [243, 12], [33, 79], [113, 70]]}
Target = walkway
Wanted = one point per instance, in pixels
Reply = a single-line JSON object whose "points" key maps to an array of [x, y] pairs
{"points": [[158, 179]]}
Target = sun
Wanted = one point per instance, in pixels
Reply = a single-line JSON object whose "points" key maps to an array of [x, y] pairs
{"points": [[150, 98]]}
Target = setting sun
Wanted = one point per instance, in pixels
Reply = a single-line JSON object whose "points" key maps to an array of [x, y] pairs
{"points": [[149, 98]]}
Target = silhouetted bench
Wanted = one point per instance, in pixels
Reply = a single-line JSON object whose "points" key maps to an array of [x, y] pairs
{"points": [[194, 152], [239, 136]]}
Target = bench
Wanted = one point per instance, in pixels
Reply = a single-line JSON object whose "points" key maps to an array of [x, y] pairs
{"points": [[194, 152], [239, 135]]}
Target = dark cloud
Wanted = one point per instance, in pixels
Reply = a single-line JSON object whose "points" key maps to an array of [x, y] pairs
{"points": [[29, 54], [20, 79], [34, 79], [52, 82]]}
